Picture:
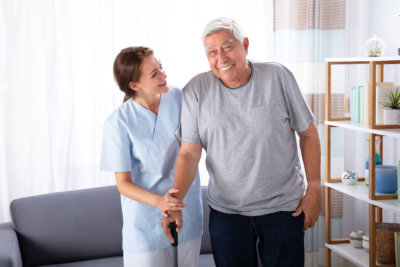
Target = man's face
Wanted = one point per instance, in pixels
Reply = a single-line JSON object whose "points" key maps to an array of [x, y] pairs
{"points": [[227, 57]]}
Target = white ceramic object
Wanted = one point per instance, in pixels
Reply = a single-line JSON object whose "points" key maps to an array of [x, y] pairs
{"points": [[365, 242], [390, 116], [356, 239]]}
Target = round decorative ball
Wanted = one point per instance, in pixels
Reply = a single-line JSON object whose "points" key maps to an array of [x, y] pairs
{"points": [[349, 177], [374, 47]]}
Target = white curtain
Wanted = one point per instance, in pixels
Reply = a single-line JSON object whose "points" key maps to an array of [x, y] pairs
{"points": [[56, 82], [307, 32]]}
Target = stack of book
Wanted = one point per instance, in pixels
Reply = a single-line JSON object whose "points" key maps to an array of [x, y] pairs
{"points": [[359, 106]]}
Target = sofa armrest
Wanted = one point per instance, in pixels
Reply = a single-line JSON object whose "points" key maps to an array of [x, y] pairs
{"points": [[10, 254]]}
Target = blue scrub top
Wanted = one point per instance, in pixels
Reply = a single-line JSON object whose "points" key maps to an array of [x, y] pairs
{"points": [[138, 141]]}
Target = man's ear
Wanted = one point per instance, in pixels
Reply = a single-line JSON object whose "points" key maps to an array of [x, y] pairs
{"points": [[133, 86], [246, 44]]}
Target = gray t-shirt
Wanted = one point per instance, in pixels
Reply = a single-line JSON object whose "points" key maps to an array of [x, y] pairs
{"points": [[248, 134]]}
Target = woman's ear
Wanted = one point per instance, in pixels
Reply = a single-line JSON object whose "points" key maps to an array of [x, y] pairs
{"points": [[133, 86]]}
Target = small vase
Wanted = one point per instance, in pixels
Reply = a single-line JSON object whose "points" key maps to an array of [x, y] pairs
{"points": [[356, 239], [390, 116], [386, 179]]}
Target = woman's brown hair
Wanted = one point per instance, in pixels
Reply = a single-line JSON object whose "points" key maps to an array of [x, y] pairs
{"points": [[127, 67]]}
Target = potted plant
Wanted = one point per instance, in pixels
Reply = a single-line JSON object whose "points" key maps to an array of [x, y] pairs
{"points": [[392, 107]]}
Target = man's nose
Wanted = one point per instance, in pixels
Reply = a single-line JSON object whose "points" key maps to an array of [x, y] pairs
{"points": [[222, 56]]}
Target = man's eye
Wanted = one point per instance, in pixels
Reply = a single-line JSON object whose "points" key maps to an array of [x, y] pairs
{"points": [[228, 47], [212, 53], [154, 74]]}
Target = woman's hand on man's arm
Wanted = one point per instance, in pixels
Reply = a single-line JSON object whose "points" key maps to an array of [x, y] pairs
{"points": [[168, 202], [164, 203]]}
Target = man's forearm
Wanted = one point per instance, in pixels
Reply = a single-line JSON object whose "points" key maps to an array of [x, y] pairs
{"points": [[311, 153], [312, 164], [185, 173]]}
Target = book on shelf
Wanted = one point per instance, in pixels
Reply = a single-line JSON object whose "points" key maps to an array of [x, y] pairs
{"points": [[361, 103], [351, 104], [347, 111], [365, 88], [355, 103]]}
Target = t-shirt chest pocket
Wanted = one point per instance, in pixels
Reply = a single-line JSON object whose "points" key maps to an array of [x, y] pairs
{"points": [[264, 118]]}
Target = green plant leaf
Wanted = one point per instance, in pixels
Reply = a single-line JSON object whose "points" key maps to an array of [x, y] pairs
{"points": [[394, 99]]}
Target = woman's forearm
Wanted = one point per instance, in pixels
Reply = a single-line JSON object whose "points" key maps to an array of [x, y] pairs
{"points": [[135, 192]]}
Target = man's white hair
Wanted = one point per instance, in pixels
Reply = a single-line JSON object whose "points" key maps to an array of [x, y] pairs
{"points": [[221, 23]]}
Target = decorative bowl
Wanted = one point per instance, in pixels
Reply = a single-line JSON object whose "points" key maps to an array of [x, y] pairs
{"points": [[365, 242], [356, 239]]}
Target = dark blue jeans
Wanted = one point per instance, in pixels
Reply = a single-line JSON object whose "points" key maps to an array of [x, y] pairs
{"points": [[279, 238]]}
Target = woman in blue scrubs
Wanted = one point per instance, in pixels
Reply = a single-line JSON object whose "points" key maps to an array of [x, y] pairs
{"points": [[140, 147]]}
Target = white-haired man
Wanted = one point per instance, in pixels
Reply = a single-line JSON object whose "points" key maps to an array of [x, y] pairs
{"points": [[245, 115]]}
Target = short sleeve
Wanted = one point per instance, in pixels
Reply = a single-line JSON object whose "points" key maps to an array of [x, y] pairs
{"points": [[115, 153], [188, 130], [299, 113]]}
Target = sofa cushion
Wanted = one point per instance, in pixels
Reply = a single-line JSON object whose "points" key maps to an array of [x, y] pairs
{"points": [[68, 226], [9, 248], [105, 262], [206, 260]]}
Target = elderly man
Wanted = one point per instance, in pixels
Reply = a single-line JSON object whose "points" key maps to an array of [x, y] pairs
{"points": [[245, 115]]}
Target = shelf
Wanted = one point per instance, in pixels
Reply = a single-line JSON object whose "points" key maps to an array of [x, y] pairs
{"points": [[358, 256], [363, 59], [363, 127], [360, 191], [376, 202]]}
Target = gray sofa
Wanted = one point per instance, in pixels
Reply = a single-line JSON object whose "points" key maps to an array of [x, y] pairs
{"points": [[70, 229]]}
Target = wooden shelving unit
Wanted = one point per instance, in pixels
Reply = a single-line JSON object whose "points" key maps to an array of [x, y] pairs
{"points": [[376, 202]]}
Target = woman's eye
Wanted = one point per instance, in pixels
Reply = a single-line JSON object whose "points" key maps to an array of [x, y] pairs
{"points": [[154, 75]]}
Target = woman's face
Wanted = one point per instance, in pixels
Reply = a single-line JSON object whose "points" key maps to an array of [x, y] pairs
{"points": [[153, 79]]}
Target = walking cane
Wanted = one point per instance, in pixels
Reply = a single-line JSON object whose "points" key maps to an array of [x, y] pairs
{"points": [[172, 227]]}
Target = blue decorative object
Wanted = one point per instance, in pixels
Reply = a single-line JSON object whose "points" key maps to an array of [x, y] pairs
{"points": [[385, 179], [378, 161], [398, 176]]}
